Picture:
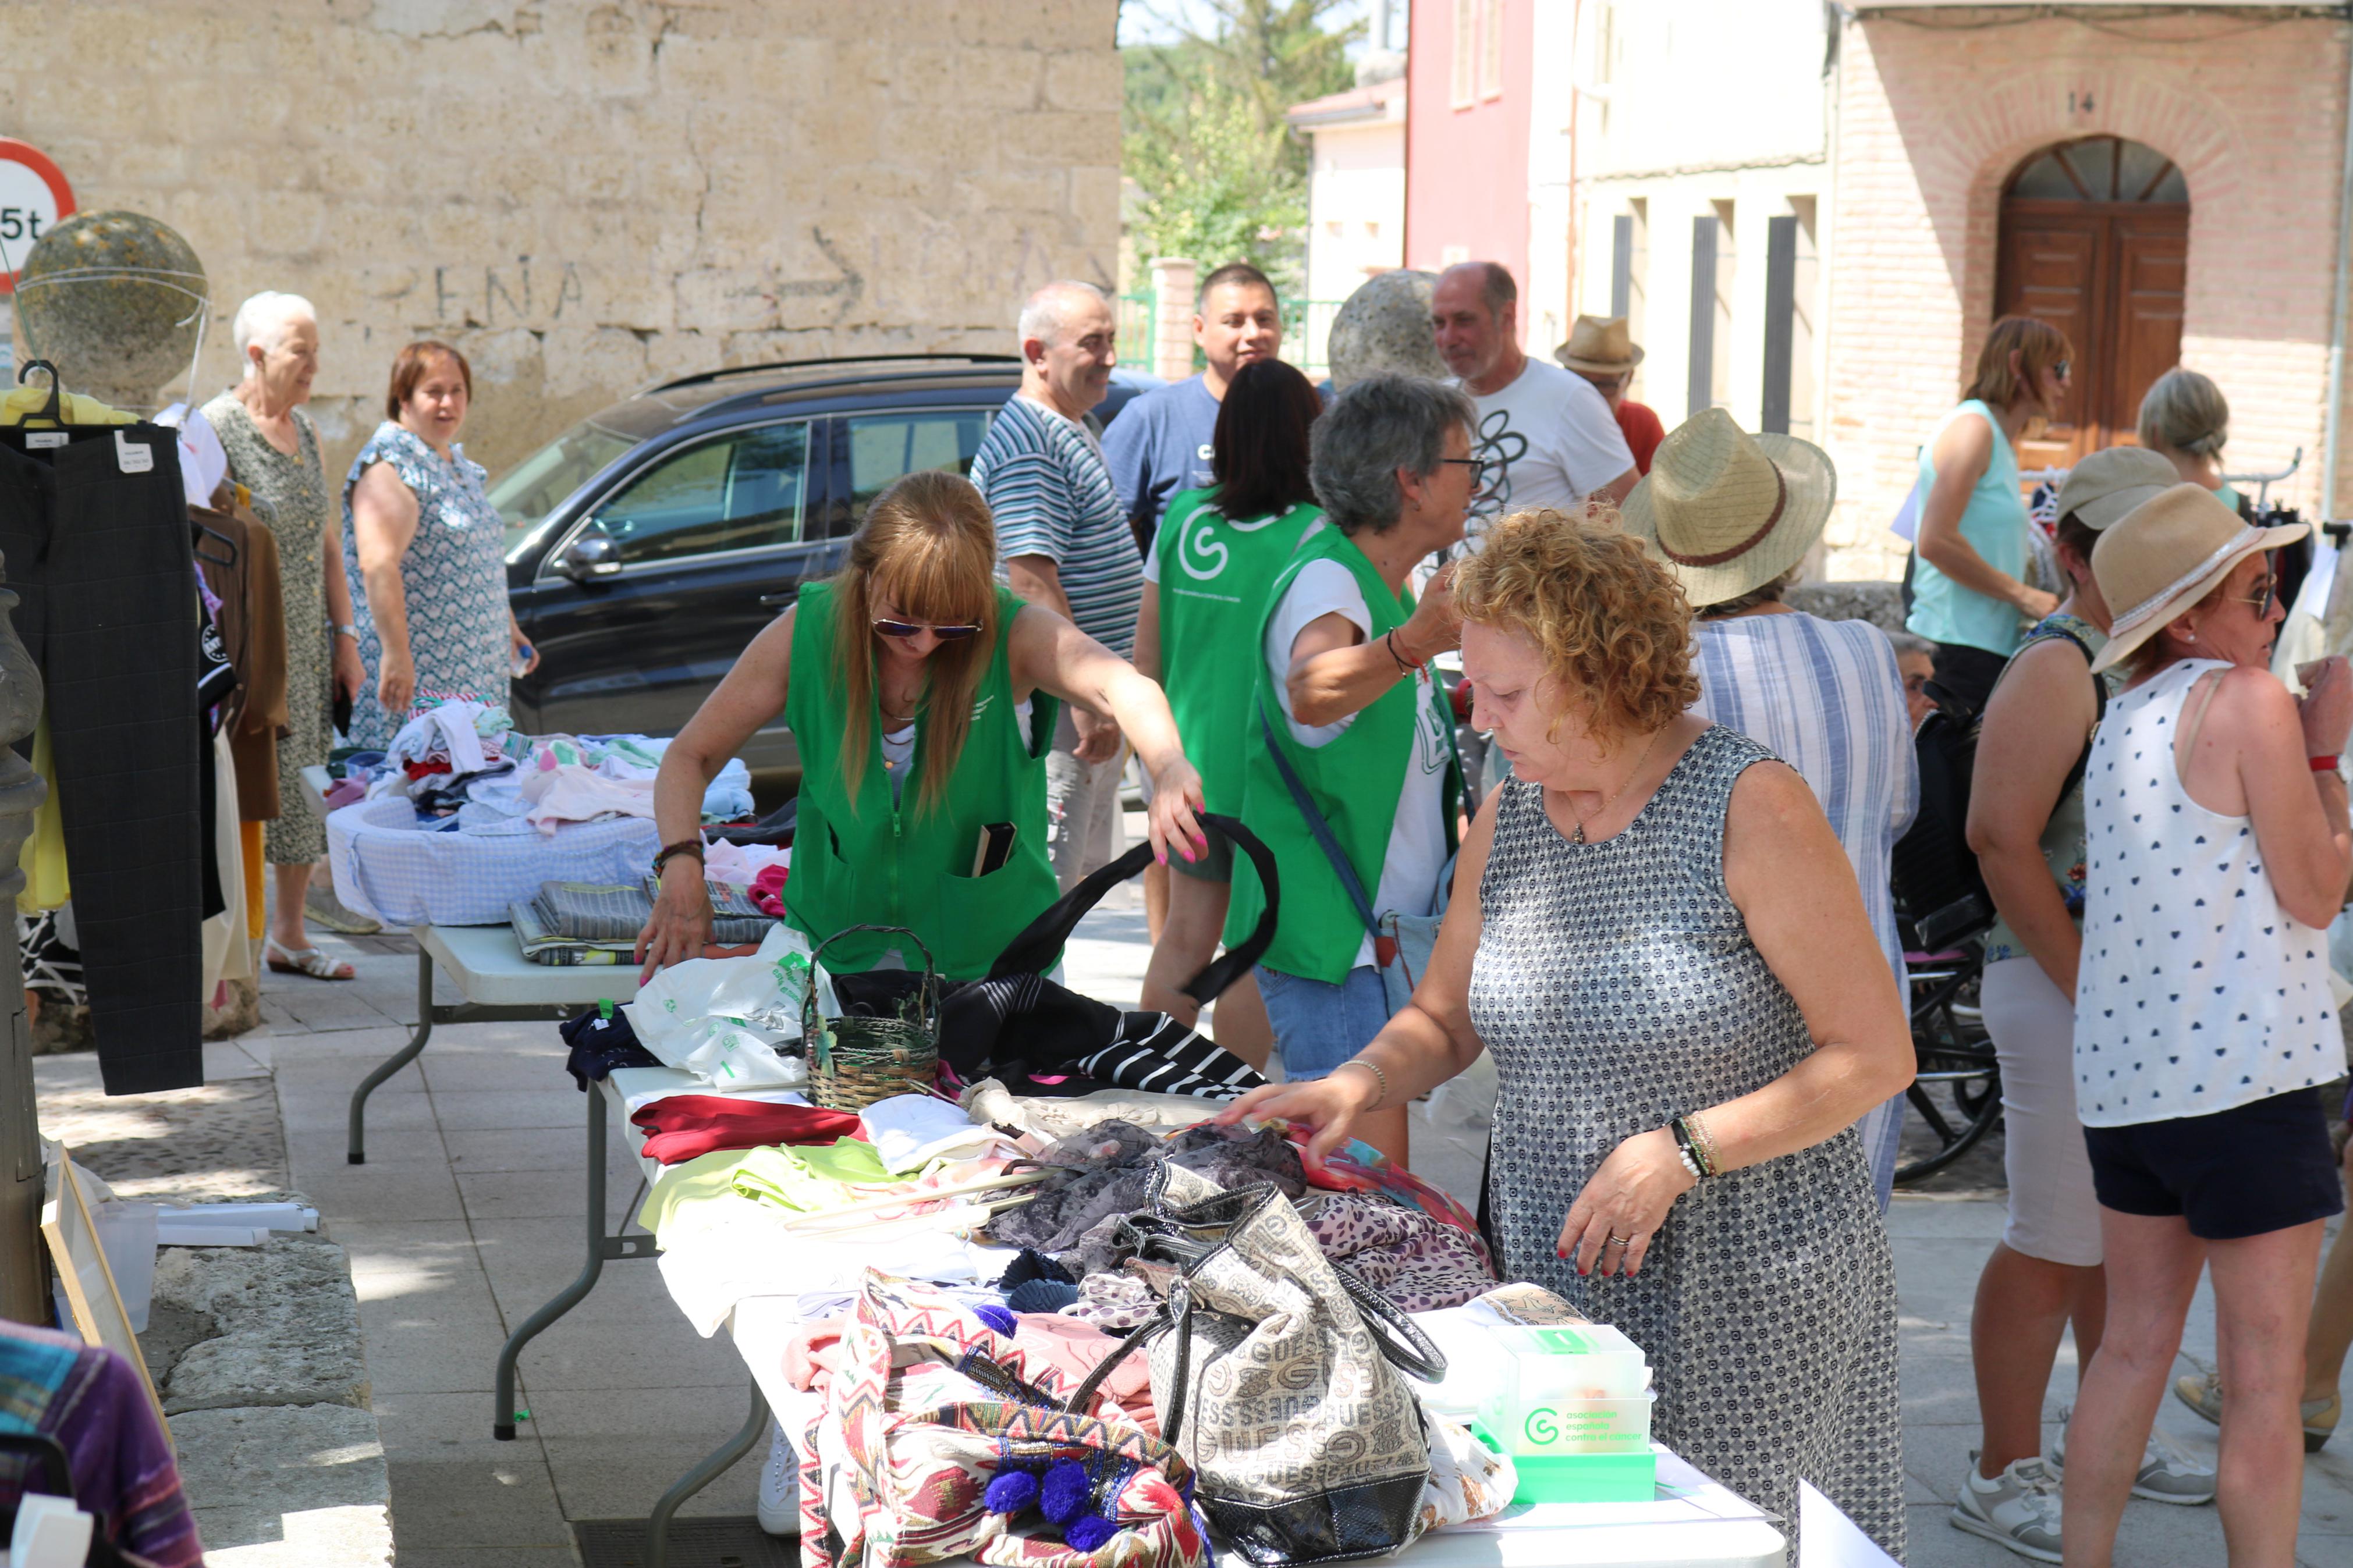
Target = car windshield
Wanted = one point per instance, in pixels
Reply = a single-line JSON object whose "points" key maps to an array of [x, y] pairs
{"points": [[527, 492]]}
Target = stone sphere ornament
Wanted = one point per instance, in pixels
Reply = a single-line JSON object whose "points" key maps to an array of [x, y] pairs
{"points": [[1384, 329], [114, 300]]}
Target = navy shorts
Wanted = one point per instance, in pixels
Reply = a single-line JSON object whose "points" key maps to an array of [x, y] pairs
{"points": [[2263, 1166]]}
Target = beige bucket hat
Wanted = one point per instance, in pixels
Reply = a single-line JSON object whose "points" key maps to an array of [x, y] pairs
{"points": [[1600, 344], [1728, 511], [2168, 553], [2111, 482]]}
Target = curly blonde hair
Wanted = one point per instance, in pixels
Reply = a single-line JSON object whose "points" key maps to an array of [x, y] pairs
{"points": [[1612, 623]]}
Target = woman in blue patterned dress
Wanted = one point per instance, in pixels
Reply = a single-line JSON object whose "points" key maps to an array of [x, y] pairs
{"points": [[1656, 933], [426, 553]]}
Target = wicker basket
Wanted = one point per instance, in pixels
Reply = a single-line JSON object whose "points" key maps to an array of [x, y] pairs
{"points": [[855, 1062]]}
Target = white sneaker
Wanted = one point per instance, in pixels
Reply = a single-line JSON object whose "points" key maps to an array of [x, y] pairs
{"points": [[2018, 1508], [2167, 1474], [780, 1488]]}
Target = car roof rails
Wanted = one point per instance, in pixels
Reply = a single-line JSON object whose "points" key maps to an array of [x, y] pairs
{"points": [[703, 377]]}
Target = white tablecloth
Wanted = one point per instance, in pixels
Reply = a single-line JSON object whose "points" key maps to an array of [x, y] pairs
{"points": [[385, 866]]}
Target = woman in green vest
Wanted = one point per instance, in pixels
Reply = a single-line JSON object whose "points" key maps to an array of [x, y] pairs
{"points": [[1204, 584], [922, 696], [1347, 706]]}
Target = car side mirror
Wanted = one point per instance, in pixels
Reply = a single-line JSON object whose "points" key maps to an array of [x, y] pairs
{"points": [[591, 554]]}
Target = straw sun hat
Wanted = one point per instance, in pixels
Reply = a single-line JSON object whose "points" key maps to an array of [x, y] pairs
{"points": [[1601, 344], [2168, 553], [1728, 511]]}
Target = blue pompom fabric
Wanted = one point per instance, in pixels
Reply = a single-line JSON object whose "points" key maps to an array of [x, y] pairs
{"points": [[1010, 1492], [1065, 1493], [1089, 1532], [996, 1318]]}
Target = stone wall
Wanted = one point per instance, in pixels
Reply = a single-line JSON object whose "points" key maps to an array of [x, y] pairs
{"points": [[586, 197], [1934, 118]]}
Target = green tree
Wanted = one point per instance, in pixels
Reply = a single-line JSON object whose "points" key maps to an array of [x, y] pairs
{"points": [[1221, 174]]}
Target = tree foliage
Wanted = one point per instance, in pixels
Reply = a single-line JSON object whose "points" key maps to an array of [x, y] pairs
{"points": [[1221, 175]]}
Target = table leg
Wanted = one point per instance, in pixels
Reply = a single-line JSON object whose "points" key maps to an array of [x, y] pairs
{"points": [[502, 1420], [357, 1146], [722, 1458]]}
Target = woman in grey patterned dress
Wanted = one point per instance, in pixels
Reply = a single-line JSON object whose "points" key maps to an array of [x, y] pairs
{"points": [[426, 552], [273, 451], [1657, 934]]}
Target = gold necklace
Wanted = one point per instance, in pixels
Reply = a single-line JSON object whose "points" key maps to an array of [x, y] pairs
{"points": [[1578, 837]]}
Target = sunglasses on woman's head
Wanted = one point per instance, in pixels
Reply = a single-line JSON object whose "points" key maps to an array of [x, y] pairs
{"points": [[911, 628]]}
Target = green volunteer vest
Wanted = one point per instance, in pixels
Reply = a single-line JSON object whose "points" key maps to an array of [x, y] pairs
{"points": [[894, 862], [1356, 780], [1213, 577]]}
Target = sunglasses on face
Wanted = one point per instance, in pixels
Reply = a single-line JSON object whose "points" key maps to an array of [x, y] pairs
{"points": [[2262, 599], [913, 628]]}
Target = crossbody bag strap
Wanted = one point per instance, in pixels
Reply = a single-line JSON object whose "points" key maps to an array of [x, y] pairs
{"points": [[1349, 881], [2099, 711]]}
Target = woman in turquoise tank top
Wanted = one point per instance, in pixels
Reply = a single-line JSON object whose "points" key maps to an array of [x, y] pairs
{"points": [[922, 696], [1968, 565], [1205, 583]]}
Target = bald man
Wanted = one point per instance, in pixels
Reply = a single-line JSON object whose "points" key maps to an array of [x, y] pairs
{"points": [[1063, 537], [1546, 435]]}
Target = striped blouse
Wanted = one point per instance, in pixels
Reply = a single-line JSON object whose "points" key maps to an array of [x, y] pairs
{"points": [[1826, 698]]}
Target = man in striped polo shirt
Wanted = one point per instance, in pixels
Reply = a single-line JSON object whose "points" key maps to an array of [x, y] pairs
{"points": [[1063, 538]]}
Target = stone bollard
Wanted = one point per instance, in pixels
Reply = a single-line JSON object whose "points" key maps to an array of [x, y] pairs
{"points": [[24, 1280], [1173, 287]]}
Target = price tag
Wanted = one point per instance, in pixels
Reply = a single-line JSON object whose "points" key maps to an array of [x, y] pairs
{"points": [[42, 440], [132, 456]]}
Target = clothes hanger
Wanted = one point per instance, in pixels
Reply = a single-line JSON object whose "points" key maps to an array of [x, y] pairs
{"points": [[48, 411], [228, 546]]}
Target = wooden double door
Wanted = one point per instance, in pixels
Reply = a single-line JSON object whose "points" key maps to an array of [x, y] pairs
{"points": [[2111, 276]]}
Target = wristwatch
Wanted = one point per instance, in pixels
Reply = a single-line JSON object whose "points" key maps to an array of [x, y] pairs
{"points": [[344, 629]]}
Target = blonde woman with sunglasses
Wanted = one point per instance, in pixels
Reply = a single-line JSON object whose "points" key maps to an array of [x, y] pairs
{"points": [[923, 697]]}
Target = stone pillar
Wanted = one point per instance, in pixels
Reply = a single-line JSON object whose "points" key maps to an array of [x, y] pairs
{"points": [[1172, 316], [24, 1280]]}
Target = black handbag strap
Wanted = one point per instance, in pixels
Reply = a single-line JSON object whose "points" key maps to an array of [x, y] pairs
{"points": [[1032, 951], [1350, 883]]}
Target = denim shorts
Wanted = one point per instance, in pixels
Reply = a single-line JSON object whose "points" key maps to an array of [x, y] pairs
{"points": [[1318, 1026]]}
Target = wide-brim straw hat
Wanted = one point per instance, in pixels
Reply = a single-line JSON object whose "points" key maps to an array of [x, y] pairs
{"points": [[2165, 554], [1601, 344], [2107, 484], [1728, 511]]}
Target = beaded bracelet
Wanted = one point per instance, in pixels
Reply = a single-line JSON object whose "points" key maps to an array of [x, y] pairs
{"points": [[1695, 1157], [1704, 1145], [1379, 1077]]}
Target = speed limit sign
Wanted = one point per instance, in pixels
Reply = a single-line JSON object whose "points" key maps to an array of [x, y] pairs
{"points": [[34, 197]]}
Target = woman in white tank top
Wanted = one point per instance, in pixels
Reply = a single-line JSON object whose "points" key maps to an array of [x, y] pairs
{"points": [[2218, 851]]}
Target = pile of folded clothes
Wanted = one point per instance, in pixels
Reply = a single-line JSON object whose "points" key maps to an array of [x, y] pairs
{"points": [[598, 922]]}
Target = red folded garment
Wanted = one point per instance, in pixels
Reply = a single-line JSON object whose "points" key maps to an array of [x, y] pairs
{"points": [[687, 1126], [768, 889]]}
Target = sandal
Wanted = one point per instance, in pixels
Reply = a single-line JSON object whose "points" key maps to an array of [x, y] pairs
{"points": [[307, 961]]}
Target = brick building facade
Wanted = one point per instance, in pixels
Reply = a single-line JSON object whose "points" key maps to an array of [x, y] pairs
{"points": [[585, 195], [1939, 105]]}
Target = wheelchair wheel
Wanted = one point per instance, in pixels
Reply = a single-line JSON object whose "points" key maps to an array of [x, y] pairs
{"points": [[1957, 1092]]}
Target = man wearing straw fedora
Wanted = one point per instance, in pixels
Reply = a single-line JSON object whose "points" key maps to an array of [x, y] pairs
{"points": [[1732, 515], [1602, 351]]}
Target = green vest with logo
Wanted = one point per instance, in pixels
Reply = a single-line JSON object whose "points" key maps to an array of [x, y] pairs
{"points": [[874, 859], [1356, 780], [1213, 577]]}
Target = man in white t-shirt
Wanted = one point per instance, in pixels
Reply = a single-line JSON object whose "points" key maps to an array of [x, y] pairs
{"points": [[1546, 435]]}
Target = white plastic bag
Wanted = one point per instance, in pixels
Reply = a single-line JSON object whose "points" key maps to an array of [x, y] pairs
{"points": [[722, 1019]]}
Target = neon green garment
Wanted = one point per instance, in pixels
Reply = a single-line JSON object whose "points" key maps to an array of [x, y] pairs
{"points": [[699, 1180], [811, 1176]]}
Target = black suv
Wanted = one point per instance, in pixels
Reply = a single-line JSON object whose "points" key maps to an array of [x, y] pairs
{"points": [[647, 546]]}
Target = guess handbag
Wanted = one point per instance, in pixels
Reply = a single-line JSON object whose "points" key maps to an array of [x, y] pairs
{"points": [[1276, 1376]]}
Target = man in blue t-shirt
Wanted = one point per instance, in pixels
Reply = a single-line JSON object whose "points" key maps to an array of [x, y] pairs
{"points": [[1159, 444]]}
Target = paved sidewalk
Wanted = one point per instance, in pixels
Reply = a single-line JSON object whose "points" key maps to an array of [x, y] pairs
{"points": [[469, 1215]]}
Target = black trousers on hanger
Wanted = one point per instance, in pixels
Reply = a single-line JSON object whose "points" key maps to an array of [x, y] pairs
{"points": [[106, 581]]}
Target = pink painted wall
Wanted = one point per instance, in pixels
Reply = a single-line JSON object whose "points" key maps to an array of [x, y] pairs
{"points": [[1466, 169]]}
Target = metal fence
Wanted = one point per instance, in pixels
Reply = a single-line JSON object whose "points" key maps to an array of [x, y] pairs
{"points": [[1306, 332]]}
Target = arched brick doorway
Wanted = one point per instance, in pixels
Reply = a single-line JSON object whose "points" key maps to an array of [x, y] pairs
{"points": [[2095, 240]]}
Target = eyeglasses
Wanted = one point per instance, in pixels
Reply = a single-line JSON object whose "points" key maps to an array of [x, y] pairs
{"points": [[913, 628], [1478, 467], [2263, 601], [2062, 369]]}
